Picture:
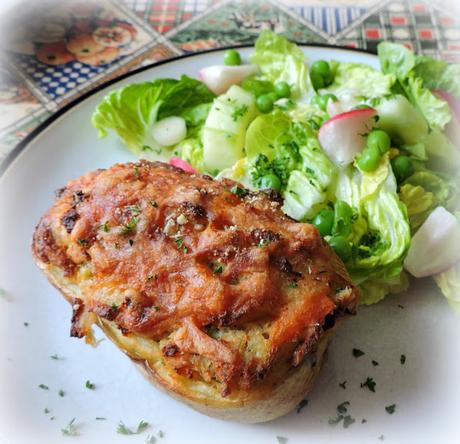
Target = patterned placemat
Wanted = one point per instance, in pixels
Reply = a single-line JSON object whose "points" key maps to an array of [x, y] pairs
{"points": [[52, 52]]}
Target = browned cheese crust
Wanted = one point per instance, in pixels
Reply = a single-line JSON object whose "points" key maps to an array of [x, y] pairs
{"points": [[220, 287]]}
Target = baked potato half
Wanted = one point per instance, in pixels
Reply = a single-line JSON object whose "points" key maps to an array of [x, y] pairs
{"points": [[220, 299]]}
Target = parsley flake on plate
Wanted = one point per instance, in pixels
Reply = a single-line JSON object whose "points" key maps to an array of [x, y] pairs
{"points": [[89, 385], [70, 429], [369, 383], [357, 352], [302, 404], [123, 430], [390, 409]]}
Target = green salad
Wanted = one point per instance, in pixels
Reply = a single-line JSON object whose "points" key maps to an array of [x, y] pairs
{"points": [[366, 155]]}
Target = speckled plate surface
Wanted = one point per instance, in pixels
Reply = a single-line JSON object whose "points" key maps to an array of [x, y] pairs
{"points": [[35, 319]]}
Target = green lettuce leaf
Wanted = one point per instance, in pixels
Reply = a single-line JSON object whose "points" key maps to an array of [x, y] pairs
{"points": [[132, 110], [449, 283], [380, 233], [281, 60], [358, 81], [416, 77], [435, 109], [396, 59], [438, 74], [419, 203]]}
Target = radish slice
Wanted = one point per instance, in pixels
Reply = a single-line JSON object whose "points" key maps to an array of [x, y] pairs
{"points": [[453, 127], [219, 78], [182, 164], [342, 135], [169, 131], [454, 103], [435, 246]]}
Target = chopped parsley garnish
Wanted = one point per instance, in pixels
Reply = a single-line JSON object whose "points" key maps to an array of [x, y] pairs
{"points": [[363, 421], [357, 352], [402, 359], [375, 363], [61, 393], [343, 407], [180, 245], [342, 415], [282, 439], [46, 410], [150, 439], [131, 242], [156, 307], [129, 227], [263, 243], [56, 357], [114, 307], [343, 384], [302, 405], [154, 204], [161, 434], [26, 324], [44, 387], [390, 408], [292, 285], [89, 385], [136, 171], [70, 429], [82, 242], [369, 383], [217, 268], [239, 112], [123, 430], [105, 227], [238, 191]]}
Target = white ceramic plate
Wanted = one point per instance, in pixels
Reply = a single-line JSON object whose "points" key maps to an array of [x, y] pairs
{"points": [[425, 389]]}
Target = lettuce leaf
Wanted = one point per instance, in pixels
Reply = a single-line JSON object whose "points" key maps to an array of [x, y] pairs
{"points": [[132, 110], [416, 77], [358, 81], [449, 283], [281, 60], [438, 74], [380, 233]]}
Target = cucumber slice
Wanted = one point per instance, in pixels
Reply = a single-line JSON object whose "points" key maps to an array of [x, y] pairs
{"points": [[225, 128]]}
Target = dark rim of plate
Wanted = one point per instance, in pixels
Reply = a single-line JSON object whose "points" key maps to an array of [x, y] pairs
{"points": [[12, 155]]}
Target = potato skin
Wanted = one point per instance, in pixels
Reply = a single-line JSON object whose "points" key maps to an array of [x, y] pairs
{"points": [[284, 398], [229, 309]]}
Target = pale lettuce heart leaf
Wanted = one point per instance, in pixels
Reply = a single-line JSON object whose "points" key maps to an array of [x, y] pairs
{"points": [[132, 110], [449, 283], [281, 60], [380, 232], [355, 82], [435, 109]]}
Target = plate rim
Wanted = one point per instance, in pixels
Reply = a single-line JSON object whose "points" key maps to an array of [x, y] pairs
{"points": [[10, 158]]}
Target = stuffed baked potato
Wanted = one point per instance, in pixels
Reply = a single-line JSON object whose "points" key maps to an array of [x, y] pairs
{"points": [[222, 301]]}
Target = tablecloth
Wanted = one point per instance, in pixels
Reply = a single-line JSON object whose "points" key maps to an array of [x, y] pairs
{"points": [[53, 52]]}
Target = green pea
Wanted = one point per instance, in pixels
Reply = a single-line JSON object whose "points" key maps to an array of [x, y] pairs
{"points": [[270, 181], [379, 139], [322, 68], [369, 159], [265, 103], [282, 90], [402, 168], [321, 100], [324, 221], [317, 81], [232, 57], [343, 218], [341, 246]]}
